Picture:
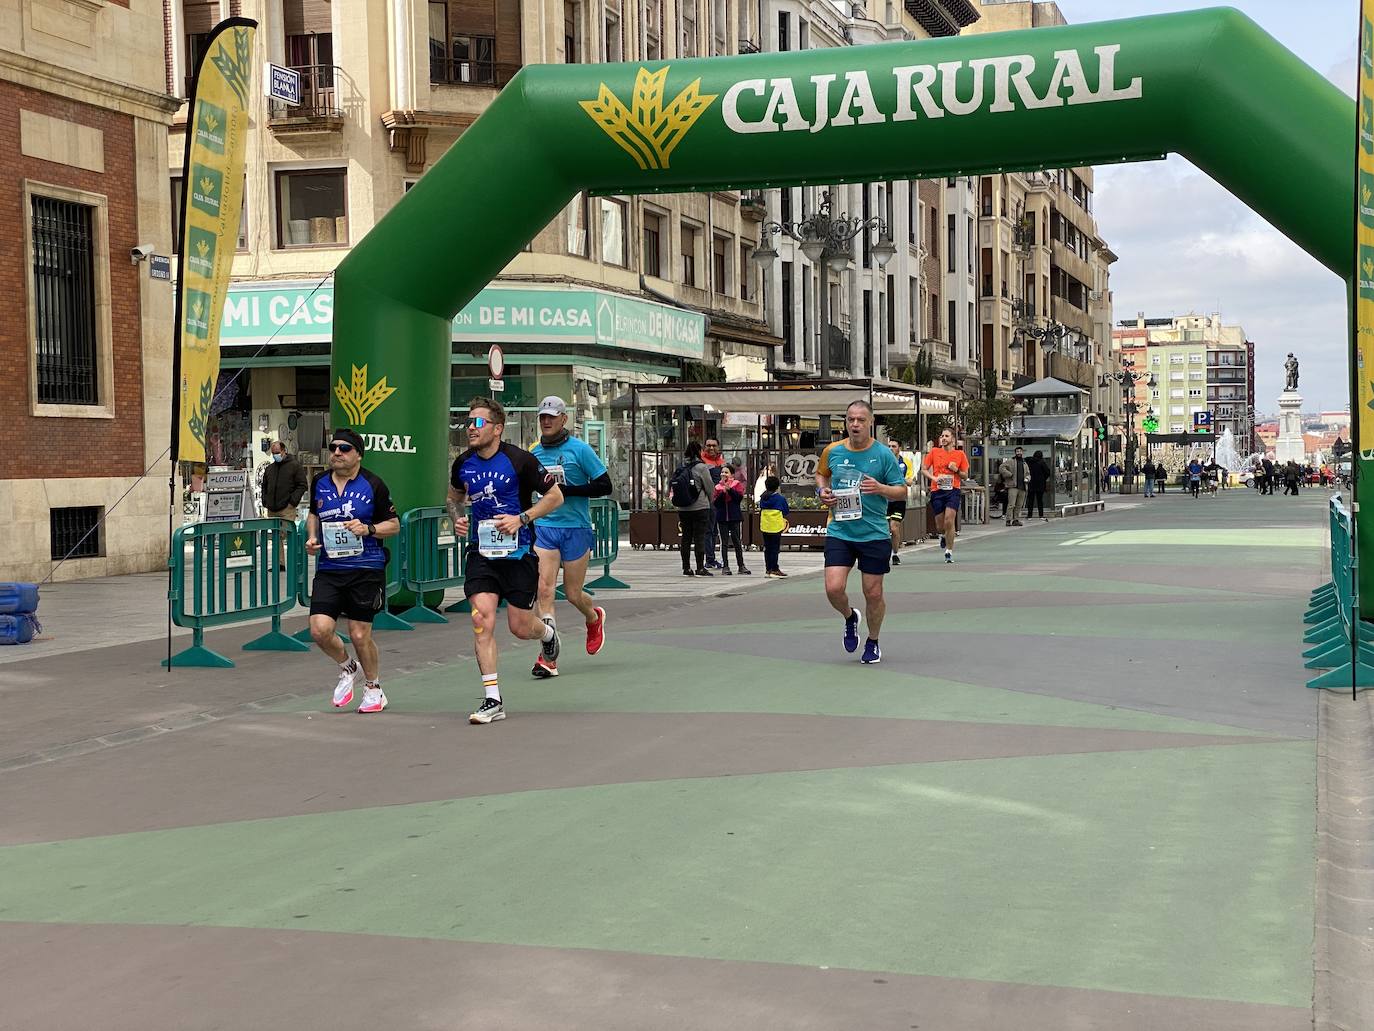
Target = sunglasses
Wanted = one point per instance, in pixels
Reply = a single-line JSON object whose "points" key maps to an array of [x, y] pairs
{"points": [[477, 422], [343, 449]]}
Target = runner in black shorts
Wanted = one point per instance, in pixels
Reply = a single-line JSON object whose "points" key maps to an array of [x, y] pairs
{"points": [[896, 510], [350, 511], [499, 481]]}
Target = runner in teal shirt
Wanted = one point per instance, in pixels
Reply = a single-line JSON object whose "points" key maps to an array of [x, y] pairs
{"points": [[564, 539], [856, 479]]}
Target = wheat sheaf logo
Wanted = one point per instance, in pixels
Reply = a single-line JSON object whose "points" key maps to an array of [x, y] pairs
{"points": [[647, 130], [359, 400], [207, 185]]}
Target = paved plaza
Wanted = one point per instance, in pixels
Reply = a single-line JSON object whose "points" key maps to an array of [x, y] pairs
{"points": [[1079, 792]]}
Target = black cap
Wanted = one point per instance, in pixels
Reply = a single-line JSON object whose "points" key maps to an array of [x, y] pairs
{"points": [[348, 437]]}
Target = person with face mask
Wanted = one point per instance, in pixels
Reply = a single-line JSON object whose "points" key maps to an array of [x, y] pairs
{"points": [[283, 485]]}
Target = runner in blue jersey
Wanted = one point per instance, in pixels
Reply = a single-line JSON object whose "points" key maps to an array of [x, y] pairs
{"points": [[856, 479], [499, 481], [350, 512], [564, 538]]}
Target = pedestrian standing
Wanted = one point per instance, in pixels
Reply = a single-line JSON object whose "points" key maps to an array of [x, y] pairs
{"points": [[728, 503], [1194, 477], [1148, 470], [1267, 484], [284, 483], [773, 513], [714, 462], [1161, 477], [691, 489], [1039, 478], [1014, 475]]}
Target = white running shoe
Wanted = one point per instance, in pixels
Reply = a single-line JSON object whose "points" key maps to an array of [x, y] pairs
{"points": [[343, 690], [374, 700]]}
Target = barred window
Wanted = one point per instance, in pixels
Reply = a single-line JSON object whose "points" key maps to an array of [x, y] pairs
{"points": [[64, 301]]}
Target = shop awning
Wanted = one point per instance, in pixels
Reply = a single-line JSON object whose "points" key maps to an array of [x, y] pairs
{"points": [[827, 397]]}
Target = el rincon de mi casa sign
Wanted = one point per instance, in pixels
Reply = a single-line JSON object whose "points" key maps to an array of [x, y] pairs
{"points": [[1210, 85], [296, 313]]}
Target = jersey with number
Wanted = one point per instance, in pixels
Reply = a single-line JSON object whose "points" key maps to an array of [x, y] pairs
{"points": [[945, 464], [365, 498], [504, 484], [572, 461], [857, 516]]}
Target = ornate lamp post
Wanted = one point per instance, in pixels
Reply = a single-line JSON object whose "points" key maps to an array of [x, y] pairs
{"points": [[825, 240], [1128, 378]]}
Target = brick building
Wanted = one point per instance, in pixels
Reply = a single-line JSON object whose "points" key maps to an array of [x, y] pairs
{"points": [[85, 349]]}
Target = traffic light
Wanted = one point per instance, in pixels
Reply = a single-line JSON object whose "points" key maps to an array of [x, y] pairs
{"points": [[1150, 424]]}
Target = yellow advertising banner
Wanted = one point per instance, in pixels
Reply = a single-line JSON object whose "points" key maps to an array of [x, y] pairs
{"points": [[1364, 232], [216, 138]]}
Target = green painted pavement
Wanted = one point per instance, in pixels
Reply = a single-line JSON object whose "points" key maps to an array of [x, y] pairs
{"points": [[1206, 537], [1257, 622], [640, 677], [1076, 870], [910, 579]]}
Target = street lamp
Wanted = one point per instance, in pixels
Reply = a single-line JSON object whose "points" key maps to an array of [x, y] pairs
{"points": [[825, 240], [1128, 378]]}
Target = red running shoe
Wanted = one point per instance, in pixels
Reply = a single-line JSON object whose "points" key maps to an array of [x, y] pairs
{"points": [[596, 632]]}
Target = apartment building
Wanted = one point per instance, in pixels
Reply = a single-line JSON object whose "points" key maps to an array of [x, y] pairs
{"points": [[1199, 364], [1044, 295], [85, 348], [387, 86], [880, 319]]}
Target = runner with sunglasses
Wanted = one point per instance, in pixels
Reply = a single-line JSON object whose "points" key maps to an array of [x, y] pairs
{"points": [[350, 512], [499, 481]]}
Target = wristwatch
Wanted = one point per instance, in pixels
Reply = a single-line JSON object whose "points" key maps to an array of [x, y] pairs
{"points": [[524, 519], [371, 530]]}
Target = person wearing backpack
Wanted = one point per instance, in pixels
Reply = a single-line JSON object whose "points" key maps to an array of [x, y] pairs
{"points": [[691, 490]]}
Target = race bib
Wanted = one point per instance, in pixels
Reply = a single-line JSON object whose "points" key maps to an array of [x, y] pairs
{"points": [[849, 504], [339, 541], [556, 471], [944, 482], [492, 543]]}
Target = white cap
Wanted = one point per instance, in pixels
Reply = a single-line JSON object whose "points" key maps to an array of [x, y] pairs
{"points": [[552, 405]]}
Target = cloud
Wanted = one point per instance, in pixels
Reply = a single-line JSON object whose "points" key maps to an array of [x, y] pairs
{"points": [[1186, 245]]}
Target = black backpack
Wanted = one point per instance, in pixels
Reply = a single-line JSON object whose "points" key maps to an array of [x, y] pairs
{"points": [[683, 488]]}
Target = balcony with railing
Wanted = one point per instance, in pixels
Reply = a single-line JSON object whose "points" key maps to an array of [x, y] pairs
{"points": [[466, 71], [320, 109]]}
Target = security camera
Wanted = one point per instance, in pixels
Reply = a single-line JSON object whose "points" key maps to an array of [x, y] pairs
{"points": [[141, 253]]}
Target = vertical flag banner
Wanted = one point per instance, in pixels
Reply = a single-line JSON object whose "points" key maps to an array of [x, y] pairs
{"points": [[216, 138], [1363, 357]]}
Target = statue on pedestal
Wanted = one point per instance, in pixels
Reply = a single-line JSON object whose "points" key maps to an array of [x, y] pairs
{"points": [[1290, 367]]}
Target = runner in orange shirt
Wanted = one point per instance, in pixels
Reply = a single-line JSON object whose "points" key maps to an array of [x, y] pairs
{"points": [[943, 466]]}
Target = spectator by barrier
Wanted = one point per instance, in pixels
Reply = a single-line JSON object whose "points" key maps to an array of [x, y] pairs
{"points": [[225, 573]]}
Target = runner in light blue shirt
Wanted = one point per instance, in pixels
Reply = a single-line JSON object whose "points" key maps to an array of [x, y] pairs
{"points": [[565, 538]]}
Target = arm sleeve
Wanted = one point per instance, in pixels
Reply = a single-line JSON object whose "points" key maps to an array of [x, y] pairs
{"points": [[786, 510], [453, 479], [823, 469], [314, 501], [598, 488], [534, 478]]}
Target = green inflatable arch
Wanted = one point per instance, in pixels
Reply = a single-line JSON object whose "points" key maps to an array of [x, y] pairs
{"points": [[1210, 85]]}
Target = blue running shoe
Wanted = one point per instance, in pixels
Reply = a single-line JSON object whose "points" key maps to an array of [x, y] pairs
{"points": [[851, 631], [872, 653]]}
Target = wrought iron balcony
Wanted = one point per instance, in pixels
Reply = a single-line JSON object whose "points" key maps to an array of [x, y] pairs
{"points": [[319, 110]]}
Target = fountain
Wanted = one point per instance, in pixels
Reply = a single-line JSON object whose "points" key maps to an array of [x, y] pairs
{"points": [[1227, 456]]}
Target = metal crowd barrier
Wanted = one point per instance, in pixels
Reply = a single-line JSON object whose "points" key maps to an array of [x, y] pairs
{"points": [[606, 525], [432, 559], [1340, 642], [309, 564], [225, 573]]}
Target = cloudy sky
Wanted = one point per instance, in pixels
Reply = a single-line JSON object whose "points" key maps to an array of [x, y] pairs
{"points": [[1186, 245]]}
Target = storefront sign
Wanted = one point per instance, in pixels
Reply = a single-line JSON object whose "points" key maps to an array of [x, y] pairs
{"points": [[298, 313]]}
